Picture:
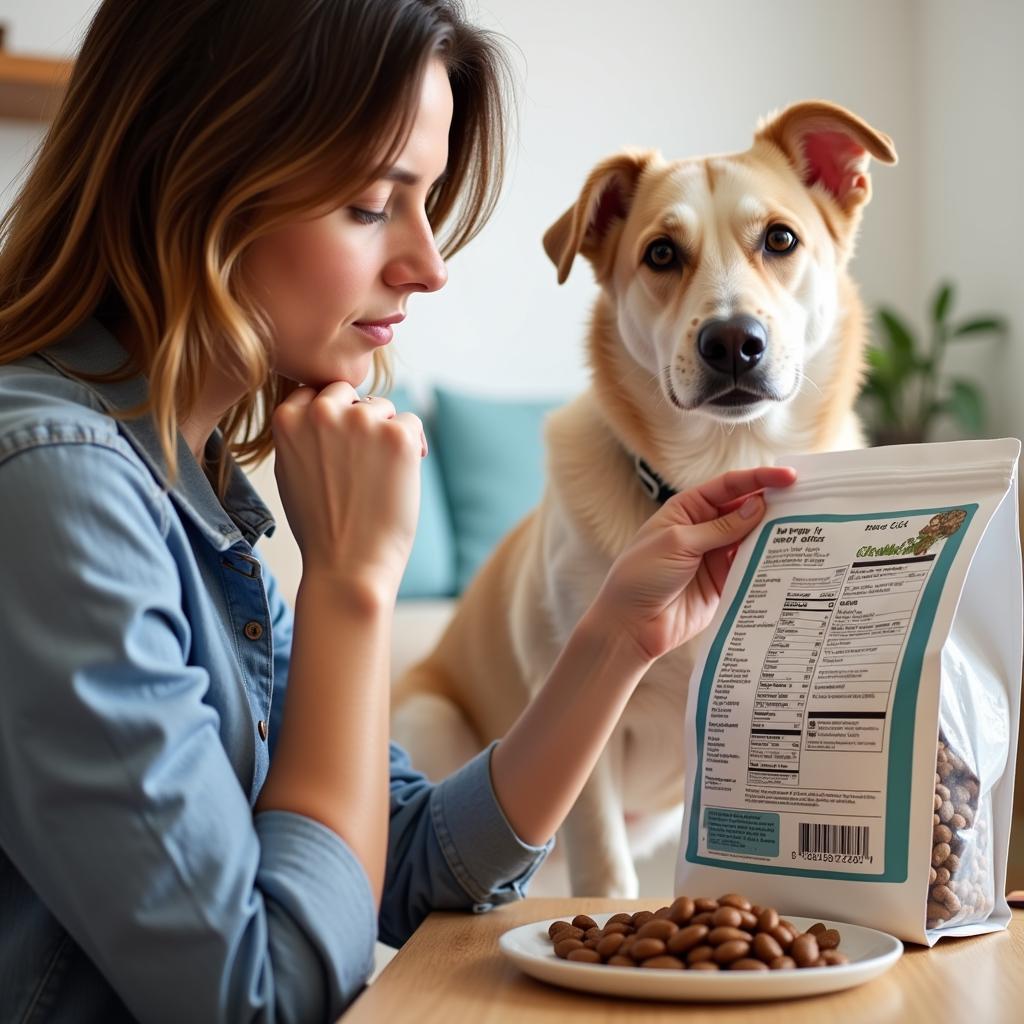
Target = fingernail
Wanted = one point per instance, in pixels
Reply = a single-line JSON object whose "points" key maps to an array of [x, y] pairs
{"points": [[750, 508]]}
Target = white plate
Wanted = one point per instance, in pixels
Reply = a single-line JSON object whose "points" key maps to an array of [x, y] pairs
{"points": [[871, 953]]}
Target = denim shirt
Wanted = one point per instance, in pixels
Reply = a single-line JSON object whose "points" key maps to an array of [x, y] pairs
{"points": [[143, 667]]}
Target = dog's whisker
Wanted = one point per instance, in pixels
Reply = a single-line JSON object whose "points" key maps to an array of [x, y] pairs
{"points": [[803, 377]]}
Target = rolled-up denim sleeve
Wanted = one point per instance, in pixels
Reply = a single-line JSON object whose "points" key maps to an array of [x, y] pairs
{"points": [[118, 803], [450, 847]]}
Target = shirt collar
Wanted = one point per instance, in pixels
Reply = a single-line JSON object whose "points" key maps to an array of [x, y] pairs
{"points": [[92, 349]]}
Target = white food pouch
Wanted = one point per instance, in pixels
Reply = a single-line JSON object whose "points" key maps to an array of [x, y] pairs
{"points": [[852, 716]]}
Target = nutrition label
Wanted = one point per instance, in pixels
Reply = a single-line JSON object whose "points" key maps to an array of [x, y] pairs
{"points": [[797, 701]]}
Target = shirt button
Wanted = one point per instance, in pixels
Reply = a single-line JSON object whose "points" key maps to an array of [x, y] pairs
{"points": [[253, 630], [261, 728]]}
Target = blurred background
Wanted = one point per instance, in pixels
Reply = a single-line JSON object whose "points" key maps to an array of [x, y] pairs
{"points": [[943, 78]]}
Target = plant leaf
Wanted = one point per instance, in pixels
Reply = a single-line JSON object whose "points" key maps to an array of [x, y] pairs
{"points": [[943, 300], [982, 325], [901, 341], [966, 405]]}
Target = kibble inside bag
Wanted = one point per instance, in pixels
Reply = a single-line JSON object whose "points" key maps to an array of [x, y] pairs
{"points": [[852, 717]]}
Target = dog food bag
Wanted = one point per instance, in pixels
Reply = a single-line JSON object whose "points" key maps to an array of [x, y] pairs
{"points": [[852, 718]]}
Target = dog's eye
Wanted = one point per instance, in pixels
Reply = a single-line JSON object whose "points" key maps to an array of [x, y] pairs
{"points": [[661, 254], [779, 239]]}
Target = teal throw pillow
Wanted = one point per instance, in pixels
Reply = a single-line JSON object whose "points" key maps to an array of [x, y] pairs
{"points": [[492, 458]]}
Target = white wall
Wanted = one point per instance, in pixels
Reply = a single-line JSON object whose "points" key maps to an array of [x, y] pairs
{"points": [[972, 227]]}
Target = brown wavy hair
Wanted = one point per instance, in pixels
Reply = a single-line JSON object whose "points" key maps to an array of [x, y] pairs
{"points": [[163, 164]]}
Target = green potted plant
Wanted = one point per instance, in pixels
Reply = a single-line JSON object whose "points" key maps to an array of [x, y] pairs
{"points": [[906, 389]]}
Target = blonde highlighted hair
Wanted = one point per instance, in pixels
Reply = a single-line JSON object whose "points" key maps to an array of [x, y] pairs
{"points": [[181, 126]]}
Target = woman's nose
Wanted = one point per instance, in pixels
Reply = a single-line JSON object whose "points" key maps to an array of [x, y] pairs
{"points": [[419, 265]]}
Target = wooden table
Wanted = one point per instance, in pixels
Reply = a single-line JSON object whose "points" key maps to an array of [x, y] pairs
{"points": [[452, 972]]}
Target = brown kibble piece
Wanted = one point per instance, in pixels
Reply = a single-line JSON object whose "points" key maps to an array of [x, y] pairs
{"points": [[662, 912], [828, 939], [728, 917], [805, 950], [583, 922], [686, 938], [565, 946], [767, 919], [593, 933], [704, 917], [557, 926], [782, 935], [665, 963], [748, 964], [834, 957], [617, 928], [681, 911], [659, 928], [620, 919], [719, 935], [704, 904], [817, 929], [610, 944], [748, 920], [940, 854], [704, 965], [733, 899], [783, 963], [585, 956], [621, 961], [766, 948], [643, 949], [699, 954], [641, 917], [735, 949]]}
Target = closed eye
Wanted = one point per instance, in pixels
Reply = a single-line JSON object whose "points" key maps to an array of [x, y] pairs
{"points": [[369, 216]]}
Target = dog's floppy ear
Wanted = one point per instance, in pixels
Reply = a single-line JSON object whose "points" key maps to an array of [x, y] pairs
{"points": [[829, 147], [605, 199]]}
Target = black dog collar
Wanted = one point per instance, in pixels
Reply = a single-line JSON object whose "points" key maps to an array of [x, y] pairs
{"points": [[656, 488]]}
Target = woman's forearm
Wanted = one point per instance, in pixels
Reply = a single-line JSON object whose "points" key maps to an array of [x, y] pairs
{"points": [[540, 766], [331, 758]]}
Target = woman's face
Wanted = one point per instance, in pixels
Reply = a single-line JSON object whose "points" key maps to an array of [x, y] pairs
{"points": [[334, 286]]}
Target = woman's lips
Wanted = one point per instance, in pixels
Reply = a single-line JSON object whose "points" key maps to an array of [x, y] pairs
{"points": [[379, 331]]}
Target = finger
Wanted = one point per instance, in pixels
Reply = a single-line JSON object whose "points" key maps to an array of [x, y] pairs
{"points": [[718, 563], [378, 408], [299, 398], [723, 531], [411, 423], [739, 482], [340, 392]]}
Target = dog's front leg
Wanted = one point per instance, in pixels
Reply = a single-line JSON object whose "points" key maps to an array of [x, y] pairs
{"points": [[594, 833]]}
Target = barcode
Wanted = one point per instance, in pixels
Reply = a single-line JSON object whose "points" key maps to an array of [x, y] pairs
{"points": [[839, 839]]}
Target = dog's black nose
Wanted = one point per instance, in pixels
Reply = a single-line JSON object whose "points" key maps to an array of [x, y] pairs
{"points": [[732, 346]]}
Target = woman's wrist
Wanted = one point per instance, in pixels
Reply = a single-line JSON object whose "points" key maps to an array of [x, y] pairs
{"points": [[605, 631], [358, 593]]}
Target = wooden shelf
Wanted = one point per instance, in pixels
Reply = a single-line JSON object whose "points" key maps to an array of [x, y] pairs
{"points": [[31, 88]]}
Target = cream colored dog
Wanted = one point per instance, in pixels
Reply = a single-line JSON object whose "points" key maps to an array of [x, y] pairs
{"points": [[727, 333]]}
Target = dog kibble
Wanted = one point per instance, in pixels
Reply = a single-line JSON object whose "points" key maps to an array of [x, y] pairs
{"points": [[643, 949], [957, 881], [686, 938], [585, 956], [670, 963], [706, 935], [659, 928], [748, 964]]}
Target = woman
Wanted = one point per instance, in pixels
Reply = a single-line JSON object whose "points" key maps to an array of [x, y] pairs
{"points": [[222, 227]]}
